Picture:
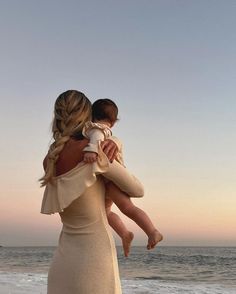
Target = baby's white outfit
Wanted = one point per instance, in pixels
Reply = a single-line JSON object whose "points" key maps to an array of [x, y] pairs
{"points": [[97, 132]]}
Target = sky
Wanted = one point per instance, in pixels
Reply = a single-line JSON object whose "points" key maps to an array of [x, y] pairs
{"points": [[170, 67]]}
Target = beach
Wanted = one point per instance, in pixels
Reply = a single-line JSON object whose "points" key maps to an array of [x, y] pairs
{"points": [[203, 270]]}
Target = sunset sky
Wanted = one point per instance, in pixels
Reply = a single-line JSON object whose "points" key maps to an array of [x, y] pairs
{"points": [[170, 67]]}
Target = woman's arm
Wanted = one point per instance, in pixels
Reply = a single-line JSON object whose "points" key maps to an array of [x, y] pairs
{"points": [[118, 174], [122, 178]]}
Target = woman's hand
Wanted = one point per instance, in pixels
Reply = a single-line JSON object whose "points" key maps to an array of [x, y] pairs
{"points": [[110, 148]]}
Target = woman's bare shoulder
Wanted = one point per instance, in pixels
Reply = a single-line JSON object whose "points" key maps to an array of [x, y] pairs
{"points": [[70, 155]]}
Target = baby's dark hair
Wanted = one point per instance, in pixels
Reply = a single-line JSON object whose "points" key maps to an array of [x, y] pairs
{"points": [[104, 109]]}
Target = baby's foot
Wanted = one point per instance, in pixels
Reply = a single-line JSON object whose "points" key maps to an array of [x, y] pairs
{"points": [[153, 239], [126, 241]]}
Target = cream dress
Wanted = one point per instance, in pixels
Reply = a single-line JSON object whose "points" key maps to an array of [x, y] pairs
{"points": [[85, 261]]}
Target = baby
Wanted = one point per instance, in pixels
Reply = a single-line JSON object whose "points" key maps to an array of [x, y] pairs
{"points": [[104, 116]]}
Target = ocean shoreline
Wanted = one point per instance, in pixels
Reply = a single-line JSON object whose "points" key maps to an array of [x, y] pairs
{"points": [[166, 269]]}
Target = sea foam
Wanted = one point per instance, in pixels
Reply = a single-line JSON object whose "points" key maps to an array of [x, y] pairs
{"points": [[26, 283]]}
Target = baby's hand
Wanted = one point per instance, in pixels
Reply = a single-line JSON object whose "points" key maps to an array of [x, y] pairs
{"points": [[90, 157]]}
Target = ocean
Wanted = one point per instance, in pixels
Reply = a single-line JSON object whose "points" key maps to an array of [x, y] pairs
{"points": [[167, 270]]}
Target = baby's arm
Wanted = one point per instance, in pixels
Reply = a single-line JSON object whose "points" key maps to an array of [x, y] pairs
{"points": [[91, 150], [90, 157]]}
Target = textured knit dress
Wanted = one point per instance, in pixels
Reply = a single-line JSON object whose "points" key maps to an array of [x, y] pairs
{"points": [[85, 261]]}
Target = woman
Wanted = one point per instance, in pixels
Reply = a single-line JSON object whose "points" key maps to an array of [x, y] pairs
{"points": [[85, 261]]}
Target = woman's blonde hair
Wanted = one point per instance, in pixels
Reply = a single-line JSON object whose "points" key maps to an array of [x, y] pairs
{"points": [[71, 111]]}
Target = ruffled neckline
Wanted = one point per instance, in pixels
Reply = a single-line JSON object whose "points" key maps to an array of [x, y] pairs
{"points": [[67, 187]]}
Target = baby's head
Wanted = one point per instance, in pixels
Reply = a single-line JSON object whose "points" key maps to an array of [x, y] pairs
{"points": [[104, 110]]}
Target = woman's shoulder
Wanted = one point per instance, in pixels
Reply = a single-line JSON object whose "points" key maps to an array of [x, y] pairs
{"points": [[69, 157], [70, 185]]}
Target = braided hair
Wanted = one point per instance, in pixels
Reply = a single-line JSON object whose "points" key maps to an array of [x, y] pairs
{"points": [[71, 111]]}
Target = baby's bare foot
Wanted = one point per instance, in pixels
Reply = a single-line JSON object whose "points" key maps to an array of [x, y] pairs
{"points": [[126, 241], [153, 239]]}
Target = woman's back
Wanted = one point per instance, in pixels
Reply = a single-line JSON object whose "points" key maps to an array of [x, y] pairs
{"points": [[69, 157], [86, 254]]}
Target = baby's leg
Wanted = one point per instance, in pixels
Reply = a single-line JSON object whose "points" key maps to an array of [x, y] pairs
{"points": [[118, 226], [136, 214]]}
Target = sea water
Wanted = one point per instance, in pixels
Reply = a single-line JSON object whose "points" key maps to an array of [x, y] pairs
{"points": [[203, 270]]}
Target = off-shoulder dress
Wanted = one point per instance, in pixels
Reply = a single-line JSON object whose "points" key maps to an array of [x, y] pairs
{"points": [[85, 261]]}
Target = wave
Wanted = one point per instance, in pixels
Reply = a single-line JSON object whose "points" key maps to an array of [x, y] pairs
{"points": [[22, 283]]}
